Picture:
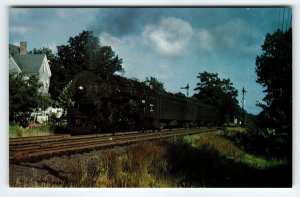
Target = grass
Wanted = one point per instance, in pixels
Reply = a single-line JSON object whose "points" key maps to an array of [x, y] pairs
{"points": [[205, 160], [18, 131], [202, 160], [139, 165], [228, 149], [262, 163]]}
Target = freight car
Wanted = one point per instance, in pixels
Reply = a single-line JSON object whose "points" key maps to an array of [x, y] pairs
{"points": [[115, 103]]}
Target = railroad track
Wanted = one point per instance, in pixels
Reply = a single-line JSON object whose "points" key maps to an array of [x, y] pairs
{"points": [[26, 148]]}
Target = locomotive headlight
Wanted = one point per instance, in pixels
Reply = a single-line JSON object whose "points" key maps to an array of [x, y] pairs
{"points": [[80, 88]]}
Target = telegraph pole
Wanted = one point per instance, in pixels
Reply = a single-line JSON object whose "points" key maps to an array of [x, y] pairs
{"points": [[243, 102], [187, 87]]}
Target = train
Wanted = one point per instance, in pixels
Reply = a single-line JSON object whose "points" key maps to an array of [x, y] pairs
{"points": [[115, 103]]}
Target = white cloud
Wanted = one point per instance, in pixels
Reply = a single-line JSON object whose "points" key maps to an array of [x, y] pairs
{"points": [[51, 46], [18, 29], [204, 38], [169, 37], [16, 43], [236, 33], [109, 40], [229, 33]]}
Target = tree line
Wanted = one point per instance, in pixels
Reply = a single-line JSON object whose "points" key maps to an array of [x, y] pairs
{"points": [[84, 52]]}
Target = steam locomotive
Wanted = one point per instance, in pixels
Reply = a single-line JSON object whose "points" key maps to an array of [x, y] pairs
{"points": [[114, 103]]}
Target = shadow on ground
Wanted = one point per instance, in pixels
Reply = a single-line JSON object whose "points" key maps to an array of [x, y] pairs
{"points": [[205, 167]]}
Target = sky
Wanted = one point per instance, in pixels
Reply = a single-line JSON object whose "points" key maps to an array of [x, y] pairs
{"points": [[172, 44], [52, 29]]}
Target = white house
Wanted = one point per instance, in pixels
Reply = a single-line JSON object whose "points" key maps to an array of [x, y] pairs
{"points": [[20, 61]]}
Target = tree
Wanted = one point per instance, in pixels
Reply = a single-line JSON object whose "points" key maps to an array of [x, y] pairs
{"points": [[179, 94], [157, 85], [219, 93], [109, 63], [45, 50], [64, 99], [82, 53], [274, 71], [24, 95]]}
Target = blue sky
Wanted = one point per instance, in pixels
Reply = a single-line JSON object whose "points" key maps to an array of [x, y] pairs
{"points": [[172, 44]]}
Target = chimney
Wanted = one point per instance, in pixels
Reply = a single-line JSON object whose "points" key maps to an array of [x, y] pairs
{"points": [[23, 48]]}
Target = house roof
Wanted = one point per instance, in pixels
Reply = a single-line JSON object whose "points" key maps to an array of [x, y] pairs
{"points": [[29, 63], [13, 50], [13, 67]]}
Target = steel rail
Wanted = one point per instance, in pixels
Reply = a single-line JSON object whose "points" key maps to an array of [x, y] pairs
{"points": [[61, 145]]}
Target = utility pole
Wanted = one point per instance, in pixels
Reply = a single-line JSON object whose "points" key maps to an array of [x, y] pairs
{"points": [[243, 102], [187, 87]]}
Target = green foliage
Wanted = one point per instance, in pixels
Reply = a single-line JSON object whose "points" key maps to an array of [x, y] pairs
{"points": [[82, 53], [15, 130], [210, 160], [64, 100], [157, 85], [109, 63], [274, 71], [179, 94], [139, 165], [45, 50], [24, 96], [205, 160], [219, 93], [261, 142], [227, 148], [261, 162]]}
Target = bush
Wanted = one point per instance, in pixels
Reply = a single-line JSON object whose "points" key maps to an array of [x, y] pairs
{"points": [[140, 165], [262, 142], [17, 131], [213, 161]]}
